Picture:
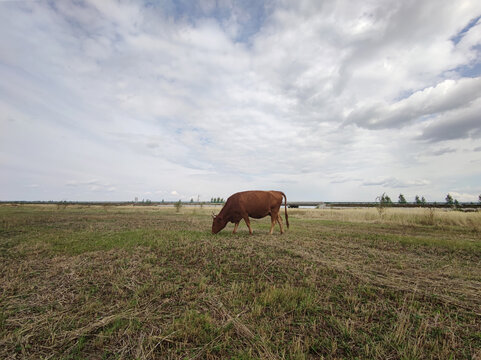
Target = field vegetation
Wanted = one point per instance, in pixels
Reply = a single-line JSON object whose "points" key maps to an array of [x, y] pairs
{"points": [[125, 282]]}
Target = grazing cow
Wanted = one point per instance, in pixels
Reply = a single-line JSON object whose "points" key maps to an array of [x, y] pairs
{"points": [[254, 204]]}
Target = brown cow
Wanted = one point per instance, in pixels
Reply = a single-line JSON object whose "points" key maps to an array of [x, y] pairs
{"points": [[254, 204]]}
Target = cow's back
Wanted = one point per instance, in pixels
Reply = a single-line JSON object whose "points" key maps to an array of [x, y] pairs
{"points": [[257, 204]]}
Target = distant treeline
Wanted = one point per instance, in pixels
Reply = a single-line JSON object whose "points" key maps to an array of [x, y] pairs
{"points": [[401, 205], [291, 204]]}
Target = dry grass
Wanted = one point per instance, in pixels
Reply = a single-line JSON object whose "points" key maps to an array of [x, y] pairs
{"points": [[401, 216], [150, 283]]}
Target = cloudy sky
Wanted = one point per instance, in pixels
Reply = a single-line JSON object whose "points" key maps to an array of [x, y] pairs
{"points": [[324, 100]]}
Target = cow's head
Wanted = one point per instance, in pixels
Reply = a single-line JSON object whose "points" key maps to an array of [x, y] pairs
{"points": [[218, 223]]}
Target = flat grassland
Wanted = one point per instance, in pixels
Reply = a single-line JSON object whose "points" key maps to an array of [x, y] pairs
{"points": [[93, 282]]}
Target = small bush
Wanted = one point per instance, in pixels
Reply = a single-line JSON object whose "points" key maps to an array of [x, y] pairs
{"points": [[178, 205]]}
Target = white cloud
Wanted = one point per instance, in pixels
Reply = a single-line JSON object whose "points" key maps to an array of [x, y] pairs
{"points": [[396, 183], [460, 123], [464, 197], [314, 97], [441, 151], [445, 96]]}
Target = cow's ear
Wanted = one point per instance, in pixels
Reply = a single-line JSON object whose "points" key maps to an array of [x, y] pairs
{"points": [[213, 216]]}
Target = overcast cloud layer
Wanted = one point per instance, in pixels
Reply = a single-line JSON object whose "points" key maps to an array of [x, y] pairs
{"points": [[331, 100]]}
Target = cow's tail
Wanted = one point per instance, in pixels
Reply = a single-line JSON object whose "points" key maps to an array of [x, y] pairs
{"points": [[285, 209]]}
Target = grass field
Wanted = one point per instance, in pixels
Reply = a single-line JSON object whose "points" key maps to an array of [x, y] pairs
{"points": [[144, 283]]}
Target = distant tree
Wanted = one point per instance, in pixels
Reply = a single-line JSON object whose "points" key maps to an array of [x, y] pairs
{"points": [[383, 201], [417, 200], [479, 199], [402, 199], [191, 200], [386, 199], [456, 203], [423, 201], [449, 199]]}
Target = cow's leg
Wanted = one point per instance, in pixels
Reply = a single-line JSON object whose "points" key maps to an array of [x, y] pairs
{"points": [[279, 220], [235, 227], [248, 223], [273, 223]]}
